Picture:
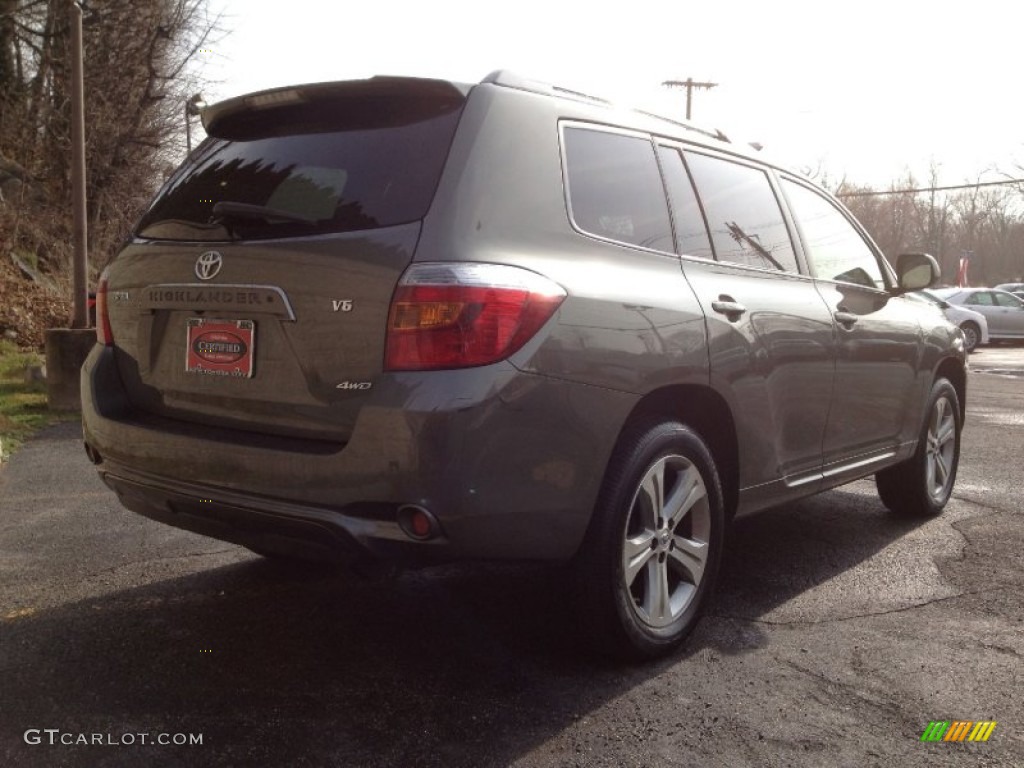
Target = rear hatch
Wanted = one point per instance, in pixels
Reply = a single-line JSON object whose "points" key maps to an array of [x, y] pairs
{"points": [[255, 294]]}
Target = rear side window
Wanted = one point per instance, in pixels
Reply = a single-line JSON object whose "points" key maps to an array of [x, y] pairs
{"points": [[981, 298], [743, 213], [615, 189], [349, 159], [835, 249]]}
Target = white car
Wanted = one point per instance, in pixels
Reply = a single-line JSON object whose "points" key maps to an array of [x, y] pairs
{"points": [[1003, 311], [973, 324]]}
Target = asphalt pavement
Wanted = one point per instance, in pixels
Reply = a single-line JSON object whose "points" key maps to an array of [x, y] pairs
{"points": [[837, 635]]}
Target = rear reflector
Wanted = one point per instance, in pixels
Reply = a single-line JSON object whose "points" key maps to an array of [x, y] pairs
{"points": [[458, 315], [103, 333], [417, 522]]}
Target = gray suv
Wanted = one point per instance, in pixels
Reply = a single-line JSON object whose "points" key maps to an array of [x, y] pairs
{"points": [[407, 321]]}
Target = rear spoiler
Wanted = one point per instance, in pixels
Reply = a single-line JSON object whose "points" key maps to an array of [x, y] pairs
{"points": [[291, 96]]}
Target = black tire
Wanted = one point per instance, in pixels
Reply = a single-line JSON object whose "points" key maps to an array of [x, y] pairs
{"points": [[972, 335], [921, 485], [648, 610]]}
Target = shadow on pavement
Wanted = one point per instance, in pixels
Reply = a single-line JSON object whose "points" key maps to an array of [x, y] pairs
{"points": [[459, 666]]}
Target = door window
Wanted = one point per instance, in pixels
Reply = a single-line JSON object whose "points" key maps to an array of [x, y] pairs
{"points": [[743, 213], [835, 249], [980, 298], [691, 232], [1006, 300]]}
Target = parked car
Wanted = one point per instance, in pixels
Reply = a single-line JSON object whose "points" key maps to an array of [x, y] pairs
{"points": [[1003, 311], [413, 320], [973, 324], [1011, 287]]}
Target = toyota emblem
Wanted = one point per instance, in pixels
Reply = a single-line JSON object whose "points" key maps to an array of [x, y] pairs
{"points": [[208, 265]]}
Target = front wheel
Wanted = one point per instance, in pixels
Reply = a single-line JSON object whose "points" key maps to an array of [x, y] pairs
{"points": [[972, 335], [921, 485], [650, 558]]}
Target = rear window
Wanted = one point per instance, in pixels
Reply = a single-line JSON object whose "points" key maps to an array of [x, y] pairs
{"points": [[344, 159]]}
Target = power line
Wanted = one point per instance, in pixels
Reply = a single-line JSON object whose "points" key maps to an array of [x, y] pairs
{"points": [[931, 189]]}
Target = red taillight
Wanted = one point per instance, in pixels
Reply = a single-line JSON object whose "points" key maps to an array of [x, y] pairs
{"points": [[103, 333], [462, 314]]}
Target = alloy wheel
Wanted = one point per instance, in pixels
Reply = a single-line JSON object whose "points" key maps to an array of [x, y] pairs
{"points": [[665, 548], [941, 449]]}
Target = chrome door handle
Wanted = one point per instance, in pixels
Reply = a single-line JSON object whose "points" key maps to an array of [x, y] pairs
{"points": [[729, 308], [845, 319]]}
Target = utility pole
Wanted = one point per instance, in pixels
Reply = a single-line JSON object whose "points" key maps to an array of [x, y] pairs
{"points": [[67, 348], [80, 272], [689, 84]]}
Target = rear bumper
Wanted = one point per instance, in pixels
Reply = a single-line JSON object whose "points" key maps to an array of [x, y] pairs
{"points": [[509, 463], [271, 526]]}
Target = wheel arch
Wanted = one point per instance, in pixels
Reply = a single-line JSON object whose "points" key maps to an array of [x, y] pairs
{"points": [[955, 371], [706, 412]]}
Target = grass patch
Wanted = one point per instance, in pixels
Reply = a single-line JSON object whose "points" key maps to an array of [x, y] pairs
{"points": [[23, 408]]}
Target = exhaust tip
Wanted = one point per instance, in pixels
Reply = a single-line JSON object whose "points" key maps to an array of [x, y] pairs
{"points": [[417, 522]]}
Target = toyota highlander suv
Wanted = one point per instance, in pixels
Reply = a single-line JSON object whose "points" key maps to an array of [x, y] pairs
{"points": [[405, 321]]}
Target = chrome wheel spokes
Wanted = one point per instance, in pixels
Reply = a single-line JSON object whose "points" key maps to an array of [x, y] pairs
{"points": [[666, 540], [941, 449]]}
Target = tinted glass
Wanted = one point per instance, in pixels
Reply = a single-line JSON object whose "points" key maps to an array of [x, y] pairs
{"points": [[338, 165], [981, 298], [743, 213], [1006, 300], [835, 249], [615, 189], [691, 233]]}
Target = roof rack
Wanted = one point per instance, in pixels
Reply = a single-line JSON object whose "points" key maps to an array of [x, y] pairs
{"points": [[511, 79], [713, 133]]}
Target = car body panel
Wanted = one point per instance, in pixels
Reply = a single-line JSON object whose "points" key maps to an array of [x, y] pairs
{"points": [[955, 313], [509, 457], [880, 373], [319, 306], [775, 366]]}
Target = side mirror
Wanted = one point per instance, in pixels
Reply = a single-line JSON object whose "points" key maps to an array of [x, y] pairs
{"points": [[916, 271]]}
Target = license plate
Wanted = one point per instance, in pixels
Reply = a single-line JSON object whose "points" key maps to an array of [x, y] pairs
{"points": [[220, 347]]}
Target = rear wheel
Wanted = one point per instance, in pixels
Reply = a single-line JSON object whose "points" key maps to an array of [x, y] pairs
{"points": [[651, 557], [972, 335], [921, 485]]}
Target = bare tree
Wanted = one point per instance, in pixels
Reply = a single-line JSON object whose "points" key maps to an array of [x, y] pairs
{"points": [[985, 221], [137, 80]]}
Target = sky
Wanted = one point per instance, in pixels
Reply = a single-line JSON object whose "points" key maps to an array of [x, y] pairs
{"points": [[865, 90]]}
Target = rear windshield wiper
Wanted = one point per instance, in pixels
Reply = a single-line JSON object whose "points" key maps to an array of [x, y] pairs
{"points": [[230, 209]]}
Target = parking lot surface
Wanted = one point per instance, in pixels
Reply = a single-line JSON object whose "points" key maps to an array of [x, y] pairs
{"points": [[837, 635]]}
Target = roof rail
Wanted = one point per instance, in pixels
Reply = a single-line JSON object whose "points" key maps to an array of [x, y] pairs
{"points": [[511, 79], [713, 133]]}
